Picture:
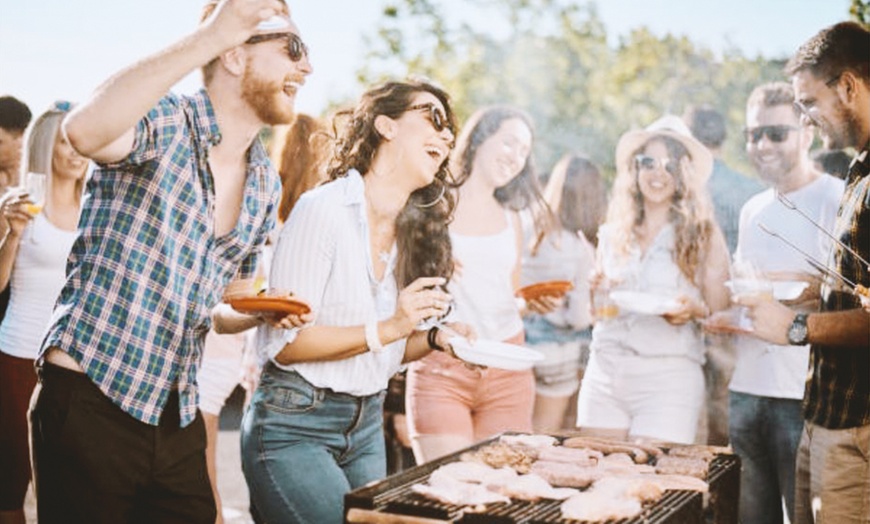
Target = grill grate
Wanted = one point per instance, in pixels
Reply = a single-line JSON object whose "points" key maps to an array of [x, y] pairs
{"points": [[393, 495]]}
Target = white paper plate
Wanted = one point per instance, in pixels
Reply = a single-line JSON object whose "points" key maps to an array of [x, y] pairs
{"points": [[495, 354], [788, 289], [644, 303]]}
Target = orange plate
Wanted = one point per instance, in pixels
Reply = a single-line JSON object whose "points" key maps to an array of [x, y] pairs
{"points": [[254, 304], [550, 288]]}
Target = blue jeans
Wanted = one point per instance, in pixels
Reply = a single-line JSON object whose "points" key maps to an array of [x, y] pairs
{"points": [[304, 448], [765, 432]]}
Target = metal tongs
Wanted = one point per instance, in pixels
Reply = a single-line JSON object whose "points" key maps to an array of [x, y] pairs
{"points": [[791, 205], [820, 267]]}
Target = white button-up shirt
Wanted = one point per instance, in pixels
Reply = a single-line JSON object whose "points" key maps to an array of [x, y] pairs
{"points": [[323, 256]]}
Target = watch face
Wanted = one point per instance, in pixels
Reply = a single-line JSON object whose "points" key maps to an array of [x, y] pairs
{"points": [[797, 333]]}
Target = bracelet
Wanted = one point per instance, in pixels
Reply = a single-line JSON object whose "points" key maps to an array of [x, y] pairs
{"points": [[430, 338], [373, 340]]}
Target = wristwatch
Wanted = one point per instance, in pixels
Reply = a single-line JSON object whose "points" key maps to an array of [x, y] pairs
{"points": [[797, 332]]}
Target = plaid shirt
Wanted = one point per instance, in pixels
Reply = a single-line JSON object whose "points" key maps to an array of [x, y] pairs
{"points": [[147, 267], [838, 392]]}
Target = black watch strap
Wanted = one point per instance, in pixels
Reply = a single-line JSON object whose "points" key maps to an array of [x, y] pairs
{"points": [[430, 338]]}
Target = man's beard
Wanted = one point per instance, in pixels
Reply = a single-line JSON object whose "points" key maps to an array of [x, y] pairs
{"points": [[781, 171], [846, 134], [266, 99]]}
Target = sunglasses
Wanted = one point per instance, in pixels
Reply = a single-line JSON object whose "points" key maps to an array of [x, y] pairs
{"points": [[296, 48], [436, 117], [776, 134], [807, 109], [648, 163]]}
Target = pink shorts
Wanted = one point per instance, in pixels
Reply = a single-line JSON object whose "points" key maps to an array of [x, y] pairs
{"points": [[444, 397]]}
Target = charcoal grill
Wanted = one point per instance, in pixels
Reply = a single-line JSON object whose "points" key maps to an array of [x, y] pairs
{"points": [[392, 501]]}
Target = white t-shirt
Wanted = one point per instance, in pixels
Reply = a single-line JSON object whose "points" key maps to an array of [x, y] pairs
{"points": [[765, 369], [37, 277], [564, 255]]}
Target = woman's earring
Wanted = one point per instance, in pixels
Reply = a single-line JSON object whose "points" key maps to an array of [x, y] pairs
{"points": [[432, 203]]}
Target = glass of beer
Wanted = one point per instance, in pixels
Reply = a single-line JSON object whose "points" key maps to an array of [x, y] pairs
{"points": [[35, 184]]}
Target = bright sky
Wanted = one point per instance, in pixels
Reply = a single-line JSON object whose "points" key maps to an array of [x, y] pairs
{"points": [[53, 49]]}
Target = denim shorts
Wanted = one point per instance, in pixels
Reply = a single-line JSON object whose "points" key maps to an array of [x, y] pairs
{"points": [[304, 448]]}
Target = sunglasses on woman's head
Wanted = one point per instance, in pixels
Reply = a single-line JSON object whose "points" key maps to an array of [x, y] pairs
{"points": [[436, 117], [296, 48], [648, 163], [775, 134]]}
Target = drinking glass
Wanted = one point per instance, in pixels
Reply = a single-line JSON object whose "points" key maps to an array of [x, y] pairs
{"points": [[35, 186], [748, 287], [603, 306]]}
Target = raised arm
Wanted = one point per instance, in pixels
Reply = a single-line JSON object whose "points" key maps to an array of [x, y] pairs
{"points": [[102, 127]]}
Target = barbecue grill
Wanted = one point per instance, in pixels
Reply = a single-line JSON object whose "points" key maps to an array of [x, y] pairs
{"points": [[392, 501]]}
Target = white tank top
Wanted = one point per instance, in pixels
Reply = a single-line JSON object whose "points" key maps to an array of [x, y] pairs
{"points": [[37, 277], [483, 289]]}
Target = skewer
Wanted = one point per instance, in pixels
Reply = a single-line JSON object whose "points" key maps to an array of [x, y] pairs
{"points": [[822, 268], [791, 205]]}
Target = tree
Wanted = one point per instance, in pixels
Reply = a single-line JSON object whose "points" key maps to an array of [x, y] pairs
{"points": [[860, 12], [552, 59]]}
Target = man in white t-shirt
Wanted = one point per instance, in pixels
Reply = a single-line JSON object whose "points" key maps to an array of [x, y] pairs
{"points": [[768, 382]]}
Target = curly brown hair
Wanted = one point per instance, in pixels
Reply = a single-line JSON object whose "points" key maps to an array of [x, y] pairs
{"points": [[422, 239]]}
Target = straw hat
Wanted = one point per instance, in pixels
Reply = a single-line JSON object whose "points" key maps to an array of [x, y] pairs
{"points": [[671, 126]]}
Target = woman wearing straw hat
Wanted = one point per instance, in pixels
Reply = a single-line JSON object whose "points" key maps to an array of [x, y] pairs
{"points": [[663, 260]]}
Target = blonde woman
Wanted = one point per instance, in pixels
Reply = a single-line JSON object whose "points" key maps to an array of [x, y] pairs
{"points": [[661, 244], [33, 253]]}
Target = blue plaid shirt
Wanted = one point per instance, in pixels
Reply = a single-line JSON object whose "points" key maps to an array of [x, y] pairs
{"points": [[147, 268]]}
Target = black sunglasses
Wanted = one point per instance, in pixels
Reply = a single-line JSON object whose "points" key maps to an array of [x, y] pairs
{"points": [[436, 117], [648, 163], [296, 48], [776, 134]]}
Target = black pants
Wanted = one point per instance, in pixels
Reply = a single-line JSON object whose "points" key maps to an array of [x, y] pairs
{"points": [[95, 463]]}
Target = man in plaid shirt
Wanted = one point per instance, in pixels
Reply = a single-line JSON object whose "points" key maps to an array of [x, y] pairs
{"points": [[831, 79], [181, 203]]}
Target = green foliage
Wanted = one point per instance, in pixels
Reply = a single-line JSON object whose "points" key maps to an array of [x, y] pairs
{"points": [[860, 12], [552, 58]]}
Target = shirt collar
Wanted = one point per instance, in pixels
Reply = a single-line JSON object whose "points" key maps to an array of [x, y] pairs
{"points": [[206, 125], [204, 118], [355, 191], [860, 165]]}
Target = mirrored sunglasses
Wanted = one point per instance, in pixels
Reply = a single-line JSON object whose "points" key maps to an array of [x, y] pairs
{"points": [[776, 134], [436, 117], [296, 48], [648, 163]]}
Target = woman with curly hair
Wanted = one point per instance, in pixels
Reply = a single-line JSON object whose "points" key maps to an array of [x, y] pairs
{"points": [[661, 248], [450, 405], [368, 251]]}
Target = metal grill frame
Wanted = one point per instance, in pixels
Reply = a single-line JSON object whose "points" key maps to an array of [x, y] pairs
{"points": [[393, 496]]}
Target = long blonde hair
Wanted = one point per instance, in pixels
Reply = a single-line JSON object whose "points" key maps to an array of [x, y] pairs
{"points": [[39, 144], [690, 211]]}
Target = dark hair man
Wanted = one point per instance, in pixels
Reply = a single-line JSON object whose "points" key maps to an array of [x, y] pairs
{"points": [[831, 79]]}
